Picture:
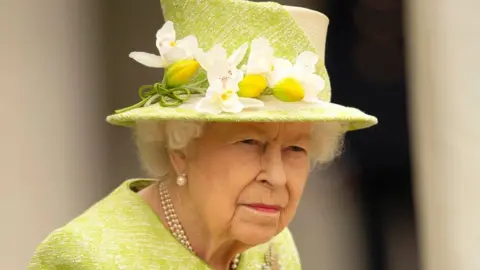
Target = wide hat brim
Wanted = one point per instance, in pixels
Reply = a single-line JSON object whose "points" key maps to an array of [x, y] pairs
{"points": [[290, 31], [273, 111]]}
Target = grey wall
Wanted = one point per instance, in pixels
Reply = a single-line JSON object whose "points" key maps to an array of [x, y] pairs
{"points": [[53, 154]]}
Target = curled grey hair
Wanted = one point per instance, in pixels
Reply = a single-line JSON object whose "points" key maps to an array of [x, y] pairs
{"points": [[155, 139]]}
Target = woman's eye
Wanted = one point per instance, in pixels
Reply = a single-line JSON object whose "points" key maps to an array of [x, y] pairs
{"points": [[250, 142], [297, 149]]}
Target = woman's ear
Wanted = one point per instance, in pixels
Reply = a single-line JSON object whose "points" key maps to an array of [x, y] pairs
{"points": [[178, 160]]}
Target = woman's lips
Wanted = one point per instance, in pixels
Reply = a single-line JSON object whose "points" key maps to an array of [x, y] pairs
{"points": [[265, 208]]}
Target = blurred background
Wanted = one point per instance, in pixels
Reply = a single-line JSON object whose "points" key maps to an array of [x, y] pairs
{"points": [[404, 196]]}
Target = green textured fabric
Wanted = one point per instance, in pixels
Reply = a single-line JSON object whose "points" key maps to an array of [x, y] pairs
{"points": [[232, 23], [325, 112], [122, 232], [235, 22]]}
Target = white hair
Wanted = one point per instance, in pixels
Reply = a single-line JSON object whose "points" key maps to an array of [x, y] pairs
{"points": [[155, 139]]}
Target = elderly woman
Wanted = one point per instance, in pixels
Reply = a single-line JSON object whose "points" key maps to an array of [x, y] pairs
{"points": [[228, 136]]}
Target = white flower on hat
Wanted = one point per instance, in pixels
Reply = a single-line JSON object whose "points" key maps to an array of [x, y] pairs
{"points": [[297, 82], [171, 50], [258, 68], [260, 60], [223, 78], [221, 96], [218, 65]]}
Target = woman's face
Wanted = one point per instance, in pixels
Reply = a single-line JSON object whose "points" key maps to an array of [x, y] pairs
{"points": [[246, 179]]}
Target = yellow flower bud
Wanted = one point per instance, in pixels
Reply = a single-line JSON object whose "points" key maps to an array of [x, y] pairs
{"points": [[181, 73], [252, 86], [289, 90]]}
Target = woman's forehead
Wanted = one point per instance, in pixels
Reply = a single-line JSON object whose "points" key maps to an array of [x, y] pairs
{"points": [[270, 130]]}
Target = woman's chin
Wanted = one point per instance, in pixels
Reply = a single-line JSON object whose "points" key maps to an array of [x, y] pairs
{"points": [[252, 236], [254, 228]]}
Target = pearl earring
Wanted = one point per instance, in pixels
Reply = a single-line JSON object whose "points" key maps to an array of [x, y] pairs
{"points": [[182, 179]]}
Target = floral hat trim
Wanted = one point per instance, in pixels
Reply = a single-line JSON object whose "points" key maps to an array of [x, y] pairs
{"points": [[217, 78]]}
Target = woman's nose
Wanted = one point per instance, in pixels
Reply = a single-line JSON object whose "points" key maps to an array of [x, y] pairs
{"points": [[273, 166]]}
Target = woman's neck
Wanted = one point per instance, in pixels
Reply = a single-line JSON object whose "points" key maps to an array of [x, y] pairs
{"points": [[217, 249]]}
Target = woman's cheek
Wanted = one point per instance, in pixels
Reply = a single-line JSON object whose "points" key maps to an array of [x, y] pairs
{"points": [[297, 166], [297, 159], [246, 154], [288, 214], [297, 177]]}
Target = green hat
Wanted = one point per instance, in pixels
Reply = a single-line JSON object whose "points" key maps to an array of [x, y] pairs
{"points": [[239, 61]]}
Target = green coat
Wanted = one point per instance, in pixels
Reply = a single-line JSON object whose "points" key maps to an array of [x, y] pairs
{"points": [[122, 232]]}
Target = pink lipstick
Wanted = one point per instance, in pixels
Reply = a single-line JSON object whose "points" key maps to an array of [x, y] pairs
{"points": [[265, 208]]}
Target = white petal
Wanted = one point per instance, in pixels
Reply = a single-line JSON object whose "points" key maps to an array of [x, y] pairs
{"points": [[281, 64], [261, 58], [232, 83], [238, 55], [306, 62], [275, 76], [243, 68], [217, 72], [259, 66], [208, 105], [251, 102], [221, 70], [261, 45], [174, 55], [313, 85], [203, 59], [215, 88], [282, 69], [165, 37], [213, 77], [315, 81], [163, 48], [215, 58], [189, 44], [237, 77], [148, 59], [167, 32], [218, 52], [272, 79], [232, 105]]}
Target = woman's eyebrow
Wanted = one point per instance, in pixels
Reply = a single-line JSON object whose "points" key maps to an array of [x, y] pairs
{"points": [[249, 133], [303, 137], [248, 129]]}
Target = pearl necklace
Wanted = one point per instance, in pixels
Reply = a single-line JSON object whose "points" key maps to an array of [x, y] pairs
{"points": [[176, 227]]}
